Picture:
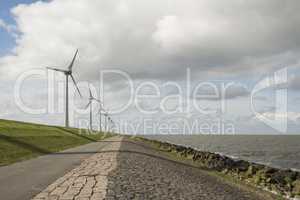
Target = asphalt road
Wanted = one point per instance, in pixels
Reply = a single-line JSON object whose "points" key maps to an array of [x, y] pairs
{"points": [[23, 180]]}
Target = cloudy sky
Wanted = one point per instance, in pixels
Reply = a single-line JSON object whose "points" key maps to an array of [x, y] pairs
{"points": [[194, 61]]}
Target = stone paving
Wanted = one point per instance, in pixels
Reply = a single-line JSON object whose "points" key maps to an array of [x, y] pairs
{"points": [[139, 172], [86, 182], [143, 173]]}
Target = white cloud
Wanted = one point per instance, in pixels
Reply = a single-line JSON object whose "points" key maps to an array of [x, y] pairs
{"points": [[294, 83], [229, 33], [225, 91], [7, 27], [291, 116], [135, 36], [156, 39], [2, 24]]}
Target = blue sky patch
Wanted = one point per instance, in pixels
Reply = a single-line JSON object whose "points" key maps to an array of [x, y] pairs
{"points": [[7, 42]]}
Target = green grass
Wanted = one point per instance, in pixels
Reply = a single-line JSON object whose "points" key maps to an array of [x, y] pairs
{"points": [[21, 141]]}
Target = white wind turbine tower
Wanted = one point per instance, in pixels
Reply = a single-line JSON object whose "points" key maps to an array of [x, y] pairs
{"points": [[106, 120], [100, 116], [113, 124], [68, 73], [110, 127], [91, 99]]}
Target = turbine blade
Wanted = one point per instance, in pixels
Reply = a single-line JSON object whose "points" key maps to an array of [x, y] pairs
{"points": [[56, 69], [91, 96], [98, 101], [73, 60], [88, 105], [76, 85]]}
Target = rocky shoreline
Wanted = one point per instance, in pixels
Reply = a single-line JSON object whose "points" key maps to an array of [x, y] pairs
{"points": [[280, 181]]}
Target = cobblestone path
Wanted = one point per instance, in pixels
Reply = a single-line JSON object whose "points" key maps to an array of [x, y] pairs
{"points": [[130, 170], [86, 182]]}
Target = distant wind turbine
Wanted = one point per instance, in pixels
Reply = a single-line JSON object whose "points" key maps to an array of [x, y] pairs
{"points": [[100, 116], [106, 120], [68, 73], [91, 99], [110, 124]]}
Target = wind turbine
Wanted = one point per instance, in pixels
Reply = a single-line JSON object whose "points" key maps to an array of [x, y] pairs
{"points": [[110, 124], [105, 122], [108, 121], [113, 126], [100, 117], [91, 99], [68, 73]]}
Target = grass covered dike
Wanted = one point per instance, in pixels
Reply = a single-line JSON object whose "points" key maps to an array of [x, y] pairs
{"points": [[285, 183], [21, 141]]}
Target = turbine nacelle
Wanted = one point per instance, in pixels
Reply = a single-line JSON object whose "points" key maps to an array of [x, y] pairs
{"points": [[68, 72]]}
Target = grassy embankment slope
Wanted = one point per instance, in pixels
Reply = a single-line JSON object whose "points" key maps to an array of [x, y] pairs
{"points": [[20, 141]]}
